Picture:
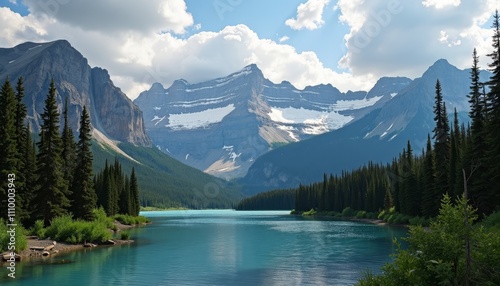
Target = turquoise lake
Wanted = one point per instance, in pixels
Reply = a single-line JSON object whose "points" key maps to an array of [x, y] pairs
{"points": [[223, 247]]}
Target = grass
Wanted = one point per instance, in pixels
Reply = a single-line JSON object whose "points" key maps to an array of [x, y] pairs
{"points": [[65, 229], [5, 238], [131, 220]]}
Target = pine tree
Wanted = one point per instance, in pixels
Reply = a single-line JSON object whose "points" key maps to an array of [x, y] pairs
{"points": [[69, 148], [134, 193], [9, 157], [51, 198], [493, 125], [441, 142], [84, 196], [29, 158]]}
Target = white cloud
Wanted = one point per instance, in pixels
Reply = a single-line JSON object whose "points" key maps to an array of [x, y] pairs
{"points": [[389, 38], [114, 16], [309, 15], [440, 4], [207, 55], [284, 39]]}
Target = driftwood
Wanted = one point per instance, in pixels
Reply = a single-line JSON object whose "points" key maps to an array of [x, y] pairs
{"points": [[37, 248], [49, 248], [7, 257]]}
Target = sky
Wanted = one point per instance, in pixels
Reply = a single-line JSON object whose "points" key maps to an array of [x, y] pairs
{"points": [[347, 43]]}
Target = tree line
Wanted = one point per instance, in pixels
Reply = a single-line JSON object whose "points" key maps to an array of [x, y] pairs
{"points": [[414, 184], [53, 176]]}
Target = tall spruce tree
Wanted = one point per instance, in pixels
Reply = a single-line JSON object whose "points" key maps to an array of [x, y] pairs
{"points": [[134, 193], [429, 196], [51, 198], [9, 157], [441, 142], [21, 137], [69, 148], [493, 125], [30, 176], [84, 196]]}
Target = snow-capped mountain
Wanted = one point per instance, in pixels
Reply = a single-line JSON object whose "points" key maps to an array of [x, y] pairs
{"points": [[223, 125], [378, 136]]}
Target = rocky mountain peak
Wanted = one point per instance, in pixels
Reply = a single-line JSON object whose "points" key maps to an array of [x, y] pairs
{"points": [[111, 111]]}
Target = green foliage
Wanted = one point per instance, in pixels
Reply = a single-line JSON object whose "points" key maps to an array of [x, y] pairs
{"points": [[38, 229], [5, 238], [347, 212], [272, 200], [52, 197], [361, 214], [310, 212], [65, 229], [131, 220], [492, 222], [84, 196], [124, 235], [437, 256]]}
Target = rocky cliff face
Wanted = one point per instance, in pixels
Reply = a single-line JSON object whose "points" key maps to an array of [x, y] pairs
{"points": [[222, 126], [112, 112]]}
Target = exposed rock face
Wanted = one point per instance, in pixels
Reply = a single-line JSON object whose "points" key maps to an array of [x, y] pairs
{"points": [[222, 126], [112, 112]]}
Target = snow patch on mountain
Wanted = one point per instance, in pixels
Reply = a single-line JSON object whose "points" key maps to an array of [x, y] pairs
{"points": [[342, 105], [198, 119], [317, 122]]}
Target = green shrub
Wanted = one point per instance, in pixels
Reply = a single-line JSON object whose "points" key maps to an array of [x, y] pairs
{"points": [[310, 212], [65, 229], [124, 235], [20, 236], [100, 216], [348, 212], [38, 229], [131, 220], [361, 214]]}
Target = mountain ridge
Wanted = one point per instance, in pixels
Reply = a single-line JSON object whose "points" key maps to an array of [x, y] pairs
{"points": [[222, 125]]}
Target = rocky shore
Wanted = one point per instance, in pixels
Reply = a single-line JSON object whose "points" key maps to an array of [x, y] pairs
{"points": [[40, 248]]}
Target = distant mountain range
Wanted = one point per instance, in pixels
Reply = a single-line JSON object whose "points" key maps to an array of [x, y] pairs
{"points": [[379, 136], [240, 126], [223, 125]]}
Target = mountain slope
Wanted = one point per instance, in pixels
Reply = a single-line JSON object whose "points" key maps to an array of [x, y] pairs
{"points": [[222, 126], [112, 112], [379, 136], [165, 182]]}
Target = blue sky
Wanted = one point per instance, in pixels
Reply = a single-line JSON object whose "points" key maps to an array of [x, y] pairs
{"points": [[348, 43]]}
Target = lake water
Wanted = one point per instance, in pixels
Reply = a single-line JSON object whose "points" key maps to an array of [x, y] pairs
{"points": [[224, 247]]}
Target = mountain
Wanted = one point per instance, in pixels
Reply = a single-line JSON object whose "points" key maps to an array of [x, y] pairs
{"points": [[223, 125], [164, 181], [118, 126], [113, 115], [379, 136]]}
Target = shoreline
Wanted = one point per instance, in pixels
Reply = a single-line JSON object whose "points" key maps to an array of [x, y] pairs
{"points": [[374, 221], [41, 249]]}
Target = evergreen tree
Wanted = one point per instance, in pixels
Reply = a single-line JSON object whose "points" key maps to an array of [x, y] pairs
{"points": [[9, 157], [441, 142], [84, 196], [69, 148], [23, 189], [493, 110], [51, 198], [134, 193], [29, 159]]}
